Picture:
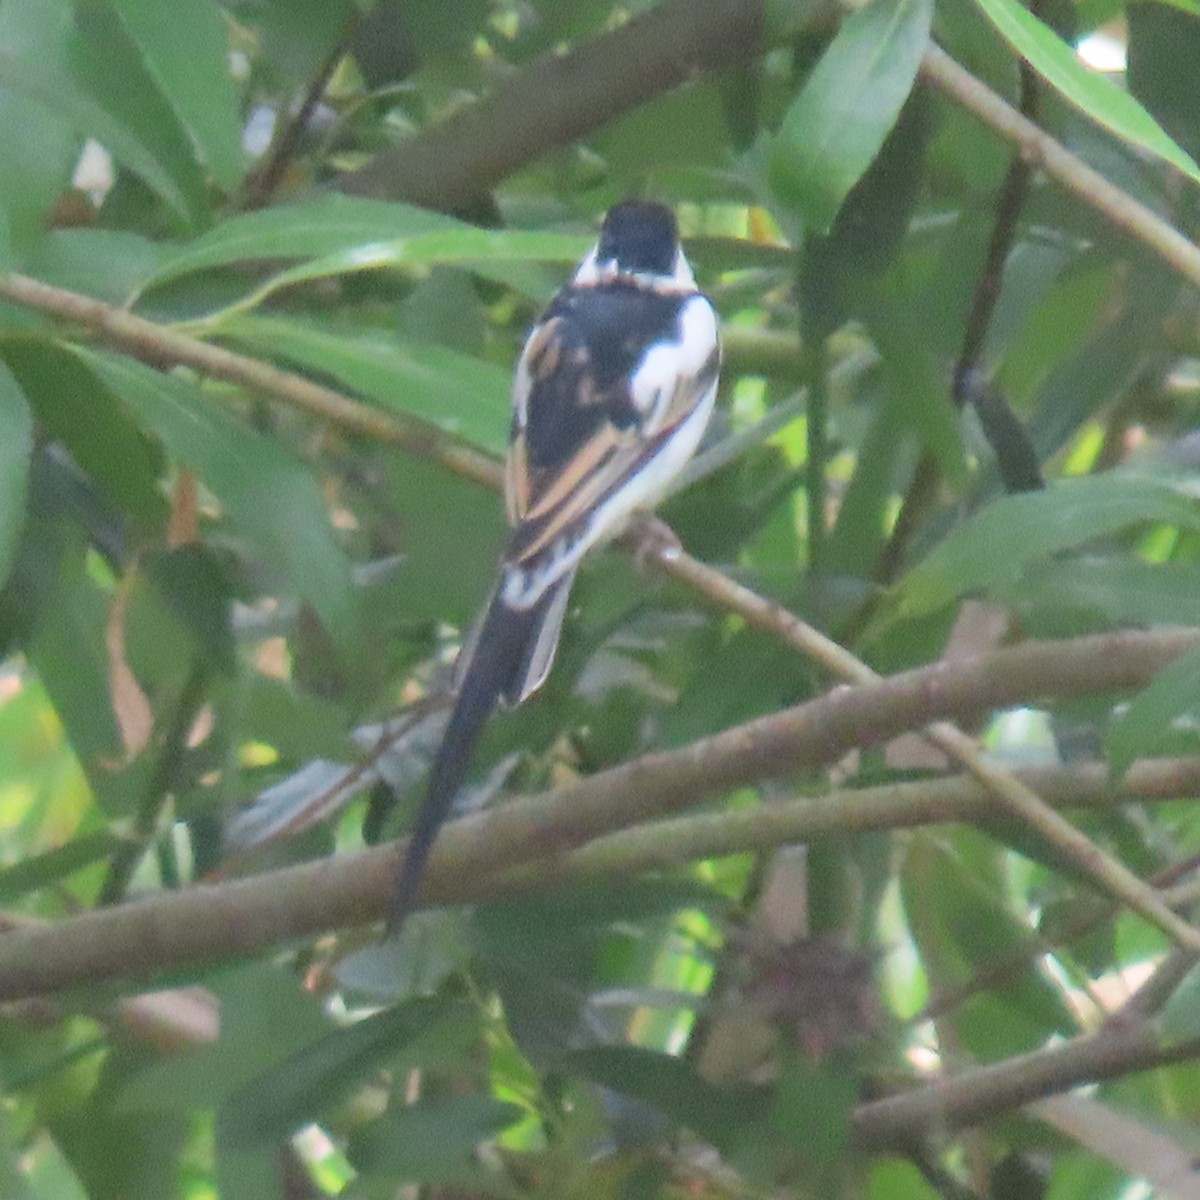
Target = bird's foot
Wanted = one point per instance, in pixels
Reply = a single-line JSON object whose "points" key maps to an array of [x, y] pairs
{"points": [[651, 539]]}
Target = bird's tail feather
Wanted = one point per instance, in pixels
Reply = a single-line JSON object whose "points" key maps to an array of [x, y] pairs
{"points": [[507, 658]]}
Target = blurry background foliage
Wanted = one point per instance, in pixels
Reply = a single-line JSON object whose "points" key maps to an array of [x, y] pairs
{"points": [[959, 397]]}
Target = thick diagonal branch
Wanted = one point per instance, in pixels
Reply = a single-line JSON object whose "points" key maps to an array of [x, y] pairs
{"points": [[559, 98], [243, 917]]}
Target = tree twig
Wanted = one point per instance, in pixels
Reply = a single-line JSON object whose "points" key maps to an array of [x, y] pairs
{"points": [[162, 347], [955, 799], [158, 786], [922, 486], [1065, 168], [241, 917], [261, 183], [148, 341], [985, 1093], [1109, 873], [559, 98]]}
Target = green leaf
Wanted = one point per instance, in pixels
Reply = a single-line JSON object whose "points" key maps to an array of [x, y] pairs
{"points": [[434, 1141], [269, 495], [1181, 1017], [67, 650], [465, 245], [16, 443], [1164, 45], [837, 124], [959, 916], [36, 147], [334, 228], [296, 35], [103, 263], [60, 95], [14, 1163], [189, 60], [1119, 590], [671, 1085], [100, 435], [301, 1087], [1105, 103], [858, 535], [265, 1017], [464, 396], [813, 1101], [452, 532], [915, 374], [297, 231], [1146, 725], [996, 543], [898, 1179], [106, 64], [41, 870]]}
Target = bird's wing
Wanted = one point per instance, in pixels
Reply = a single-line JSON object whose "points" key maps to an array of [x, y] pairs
{"points": [[585, 428]]}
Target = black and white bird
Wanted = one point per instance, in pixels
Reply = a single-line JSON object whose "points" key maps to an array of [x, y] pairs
{"points": [[612, 394]]}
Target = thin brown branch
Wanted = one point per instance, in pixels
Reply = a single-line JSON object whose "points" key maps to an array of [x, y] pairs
{"points": [[1009, 201], [162, 347], [922, 488], [560, 97], [242, 917], [261, 183], [1065, 168], [1019, 958], [1112, 876], [985, 1093], [661, 845]]}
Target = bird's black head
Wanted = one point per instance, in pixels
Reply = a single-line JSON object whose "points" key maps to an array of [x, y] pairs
{"points": [[639, 238]]}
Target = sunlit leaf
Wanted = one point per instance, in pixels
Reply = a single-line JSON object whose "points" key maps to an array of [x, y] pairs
{"points": [[346, 234], [464, 246]]}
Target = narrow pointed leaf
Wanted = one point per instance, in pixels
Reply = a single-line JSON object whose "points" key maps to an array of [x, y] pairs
{"points": [[89, 119], [188, 58], [838, 123], [465, 396], [270, 496], [996, 543], [1147, 724], [340, 225], [1102, 100]]}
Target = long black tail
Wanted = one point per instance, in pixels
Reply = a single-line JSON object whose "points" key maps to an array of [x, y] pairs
{"points": [[510, 656]]}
